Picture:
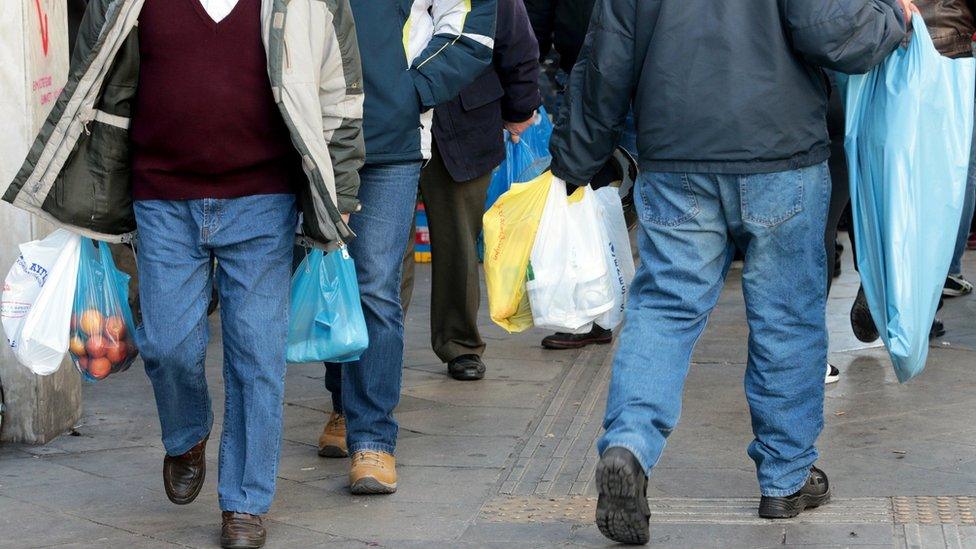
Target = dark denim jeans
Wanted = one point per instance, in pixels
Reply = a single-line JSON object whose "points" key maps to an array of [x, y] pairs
{"points": [[691, 225], [251, 239], [368, 391]]}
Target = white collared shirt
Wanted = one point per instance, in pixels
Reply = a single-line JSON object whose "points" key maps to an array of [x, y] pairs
{"points": [[218, 9]]}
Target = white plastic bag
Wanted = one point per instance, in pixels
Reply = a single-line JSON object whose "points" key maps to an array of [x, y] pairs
{"points": [[569, 284], [620, 259], [38, 295]]}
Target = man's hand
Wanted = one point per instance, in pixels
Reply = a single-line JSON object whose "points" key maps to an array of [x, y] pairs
{"points": [[515, 129], [909, 8]]}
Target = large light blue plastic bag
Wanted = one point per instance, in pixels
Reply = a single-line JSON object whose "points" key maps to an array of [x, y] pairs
{"points": [[326, 323], [525, 160], [909, 131]]}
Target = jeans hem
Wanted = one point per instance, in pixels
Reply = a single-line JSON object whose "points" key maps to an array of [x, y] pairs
{"points": [[188, 446], [241, 507], [633, 450], [784, 493], [372, 447]]}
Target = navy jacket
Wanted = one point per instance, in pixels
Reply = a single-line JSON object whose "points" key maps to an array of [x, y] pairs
{"points": [[416, 54], [468, 129], [732, 87]]}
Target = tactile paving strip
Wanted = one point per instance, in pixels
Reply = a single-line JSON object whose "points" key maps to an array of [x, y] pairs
{"points": [[934, 510], [923, 510]]}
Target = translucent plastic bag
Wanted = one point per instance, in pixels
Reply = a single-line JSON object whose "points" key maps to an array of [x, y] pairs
{"points": [[617, 252], [909, 131], [525, 160], [569, 284], [326, 322], [37, 300], [102, 329], [510, 227]]}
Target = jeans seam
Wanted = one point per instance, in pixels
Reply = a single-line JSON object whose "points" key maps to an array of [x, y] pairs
{"points": [[372, 447]]}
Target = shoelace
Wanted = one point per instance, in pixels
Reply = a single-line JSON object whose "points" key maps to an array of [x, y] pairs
{"points": [[368, 458], [337, 422]]}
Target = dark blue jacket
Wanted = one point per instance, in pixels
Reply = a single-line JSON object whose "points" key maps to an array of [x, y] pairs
{"points": [[732, 86], [416, 54], [468, 129]]}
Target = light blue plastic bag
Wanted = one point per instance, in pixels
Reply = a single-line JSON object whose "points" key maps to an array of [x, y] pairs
{"points": [[525, 160], [909, 131], [326, 323]]}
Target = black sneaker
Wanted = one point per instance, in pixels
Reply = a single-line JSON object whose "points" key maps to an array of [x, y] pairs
{"points": [[561, 341], [956, 285], [815, 493], [861, 321], [622, 512], [466, 368], [937, 330], [833, 374]]}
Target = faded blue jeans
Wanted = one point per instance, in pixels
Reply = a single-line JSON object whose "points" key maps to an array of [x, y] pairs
{"points": [[251, 238], [367, 391], [691, 224]]}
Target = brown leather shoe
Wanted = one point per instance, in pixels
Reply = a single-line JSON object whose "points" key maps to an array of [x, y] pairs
{"points": [[241, 531], [373, 473], [332, 443], [183, 475]]}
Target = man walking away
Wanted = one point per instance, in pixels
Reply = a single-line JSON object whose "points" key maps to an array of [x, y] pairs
{"points": [[416, 54], [467, 146], [206, 132], [730, 104]]}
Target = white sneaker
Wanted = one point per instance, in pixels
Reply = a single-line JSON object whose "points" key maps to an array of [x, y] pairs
{"points": [[833, 374], [956, 285]]}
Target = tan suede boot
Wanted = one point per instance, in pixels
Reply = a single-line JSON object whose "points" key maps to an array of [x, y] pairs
{"points": [[373, 473]]}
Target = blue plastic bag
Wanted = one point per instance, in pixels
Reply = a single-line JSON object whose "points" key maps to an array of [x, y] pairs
{"points": [[525, 160], [326, 322], [909, 131], [102, 328]]}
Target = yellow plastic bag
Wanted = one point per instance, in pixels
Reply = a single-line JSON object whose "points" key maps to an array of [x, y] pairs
{"points": [[510, 226]]}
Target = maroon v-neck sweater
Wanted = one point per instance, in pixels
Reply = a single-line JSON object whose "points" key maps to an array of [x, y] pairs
{"points": [[205, 123]]}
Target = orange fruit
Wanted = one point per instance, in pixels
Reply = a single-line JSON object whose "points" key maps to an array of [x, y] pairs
{"points": [[77, 346], [92, 322], [116, 352], [99, 367], [97, 346], [115, 328]]}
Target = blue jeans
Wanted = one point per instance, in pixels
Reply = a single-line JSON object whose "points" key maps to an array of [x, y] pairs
{"points": [[251, 238], [368, 391], [968, 207], [691, 225]]}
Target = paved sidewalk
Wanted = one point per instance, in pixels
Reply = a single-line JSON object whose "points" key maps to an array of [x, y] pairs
{"points": [[508, 461]]}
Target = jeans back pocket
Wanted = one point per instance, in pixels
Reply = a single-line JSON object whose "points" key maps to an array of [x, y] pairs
{"points": [[667, 199], [771, 199]]}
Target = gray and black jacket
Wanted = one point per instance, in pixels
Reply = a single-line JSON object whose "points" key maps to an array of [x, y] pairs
{"points": [[729, 87], [77, 171]]}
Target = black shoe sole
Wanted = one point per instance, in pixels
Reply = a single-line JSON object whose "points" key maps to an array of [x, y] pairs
{"points": [[779, 508], [332, 452], [466, 374], [564, 346], [622, 512]]}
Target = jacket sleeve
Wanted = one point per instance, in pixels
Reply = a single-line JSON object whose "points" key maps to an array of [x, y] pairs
{"points": [[599, 94], [341, 98], [516, 62], [460, 49], [542, 14], [848, 36], [88, 31]]}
